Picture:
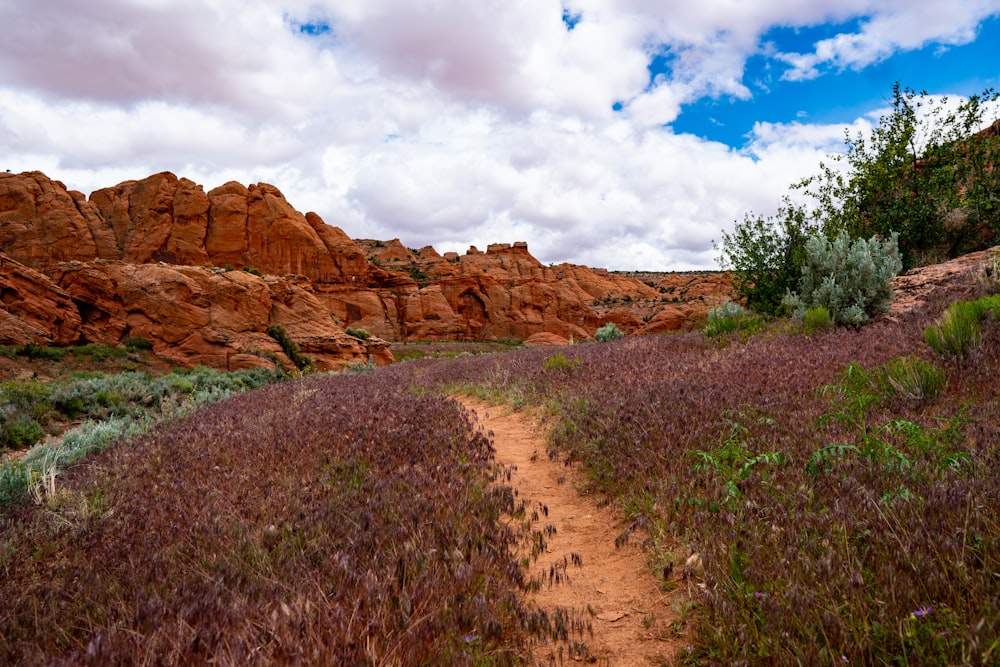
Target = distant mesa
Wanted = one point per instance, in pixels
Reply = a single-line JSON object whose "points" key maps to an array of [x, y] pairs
{"points": [[202, 275]]}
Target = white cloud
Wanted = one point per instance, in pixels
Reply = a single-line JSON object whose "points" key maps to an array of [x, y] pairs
{"points": [[440, 122], [899, 25]]}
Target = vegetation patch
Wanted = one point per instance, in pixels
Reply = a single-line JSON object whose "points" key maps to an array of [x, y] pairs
{"points": [[839, 479], [609, 331], [303, 362], [337, 517], [729, 317]]}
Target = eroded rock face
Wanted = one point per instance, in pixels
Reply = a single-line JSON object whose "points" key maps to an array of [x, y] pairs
{"points": [[505, 293], [42, 223], [149, 258], [191, 315], [166, 219], [33, 309], [911, 290], [544, 339]]}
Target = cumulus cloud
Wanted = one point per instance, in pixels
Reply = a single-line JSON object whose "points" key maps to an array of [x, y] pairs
{"points": [[442, 122], [900, 25]]}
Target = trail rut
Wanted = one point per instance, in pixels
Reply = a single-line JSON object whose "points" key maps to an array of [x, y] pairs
{"points": [[584, 572]]}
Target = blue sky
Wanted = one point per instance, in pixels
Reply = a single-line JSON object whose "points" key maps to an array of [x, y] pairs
{"points": [[625, 134], [839, 96]]}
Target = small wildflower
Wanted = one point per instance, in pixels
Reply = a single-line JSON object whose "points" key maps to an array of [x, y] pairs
{"points": [[923, 611], [470, 638]]}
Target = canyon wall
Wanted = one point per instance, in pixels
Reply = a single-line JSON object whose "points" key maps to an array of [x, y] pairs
{"points": [[202, 275]]}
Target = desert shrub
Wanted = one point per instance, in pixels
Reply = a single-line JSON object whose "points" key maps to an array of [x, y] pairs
{"points": [[766, 255], [726, 310], [182, 385], [958, 332], [848, 278], [559, 362], [360, 334], [303, 362], [913, 378], [817, 319], [360, 367], [99, 351], [608, 332], [26, 397], [20, 433], [74, 399], [40, 352], [137, 343], [728, 317]]}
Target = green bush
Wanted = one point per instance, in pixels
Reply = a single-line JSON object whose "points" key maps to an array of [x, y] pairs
{"points": [[36, 352], [136, 343], [816, 319], [920, 166], [20, 433], [766, 255], [913, 378], [728, 317], [360, 334], [24, 396], [559, 362], [303, 362], [99, 351], [958, 331], [609, 331], [360, 367], [848, 278]]}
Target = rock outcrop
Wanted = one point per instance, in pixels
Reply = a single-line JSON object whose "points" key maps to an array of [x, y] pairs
{"points": [[159, 259], [191, 315], [33, 310], [912, 289]]}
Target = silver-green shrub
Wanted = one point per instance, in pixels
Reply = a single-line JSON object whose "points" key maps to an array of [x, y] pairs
{"points": [[609, 331], [850, 278], [726, 310]]}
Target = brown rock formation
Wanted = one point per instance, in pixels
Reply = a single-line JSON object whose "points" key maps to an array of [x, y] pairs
{"points": [[505, 293], [141, 258], [911, 290], [165, 219], [201, 316], [544, 339], [33, 309]]}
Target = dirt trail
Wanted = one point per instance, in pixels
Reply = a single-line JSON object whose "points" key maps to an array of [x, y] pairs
{"points": [[613, 588]]}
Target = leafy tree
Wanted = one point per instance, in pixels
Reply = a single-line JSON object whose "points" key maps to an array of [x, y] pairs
{"points": [[923, 173], [766, 255], [926, 173]]}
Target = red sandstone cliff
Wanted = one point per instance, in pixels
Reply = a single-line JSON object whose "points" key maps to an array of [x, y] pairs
{"points": [[155, 258]]}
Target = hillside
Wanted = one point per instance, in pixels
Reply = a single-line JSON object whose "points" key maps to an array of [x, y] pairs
{"points": [[201, 275]]}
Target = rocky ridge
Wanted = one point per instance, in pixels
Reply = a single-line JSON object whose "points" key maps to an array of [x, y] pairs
{"points": [[201, 275]]}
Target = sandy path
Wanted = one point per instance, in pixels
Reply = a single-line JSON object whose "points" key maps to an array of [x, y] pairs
{"points": [[612, 590]]}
